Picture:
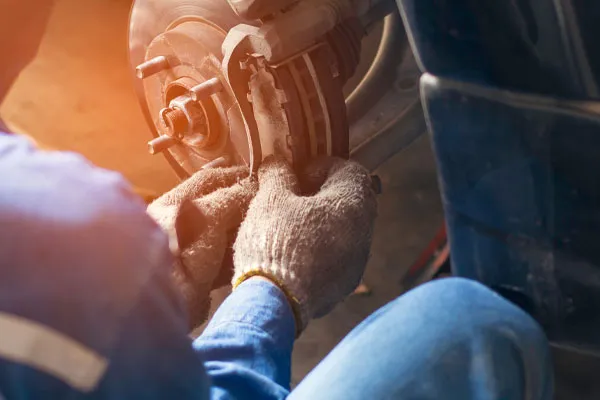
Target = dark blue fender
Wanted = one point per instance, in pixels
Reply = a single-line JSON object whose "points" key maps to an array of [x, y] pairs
{"points": [[509, 96]]}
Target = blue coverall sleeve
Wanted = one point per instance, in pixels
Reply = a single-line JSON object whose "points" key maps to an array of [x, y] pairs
{"points": [[247, 346], [87, 309]]}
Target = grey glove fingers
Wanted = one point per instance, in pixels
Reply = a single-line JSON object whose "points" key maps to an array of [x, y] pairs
{"points": [[351, 206], [227, 207], [347, 188], [222, 209], [204, 182], [315, 173], [195, 296], [347, 178], [183, 223], [190, 222], [275, 175]]}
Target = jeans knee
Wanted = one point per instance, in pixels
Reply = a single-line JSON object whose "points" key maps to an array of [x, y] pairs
{"points": [[461, 338], [449, 288], [471, 306]]}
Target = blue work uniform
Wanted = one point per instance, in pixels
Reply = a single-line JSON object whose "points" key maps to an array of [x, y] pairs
{"points": [[87, 310]]}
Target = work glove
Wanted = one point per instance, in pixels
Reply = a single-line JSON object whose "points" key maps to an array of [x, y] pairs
{"points": [[310, 235], [202, 216]]}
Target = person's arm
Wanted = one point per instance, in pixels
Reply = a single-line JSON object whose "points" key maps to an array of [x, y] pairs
{"points": [[87, 308], [247, 346], [313, 248]]}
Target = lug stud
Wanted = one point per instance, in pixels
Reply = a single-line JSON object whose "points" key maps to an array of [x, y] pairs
{"points": [[152, 67], [206, 89], [160, 144]]}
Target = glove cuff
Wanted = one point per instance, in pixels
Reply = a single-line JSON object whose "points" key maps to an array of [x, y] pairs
{"points": [[292, 300]]}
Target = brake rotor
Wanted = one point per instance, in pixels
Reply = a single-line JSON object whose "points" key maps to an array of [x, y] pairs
{"points": [[296, 106]]}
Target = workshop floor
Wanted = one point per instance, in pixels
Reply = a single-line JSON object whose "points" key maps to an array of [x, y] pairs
{"points": [[78, 96]]}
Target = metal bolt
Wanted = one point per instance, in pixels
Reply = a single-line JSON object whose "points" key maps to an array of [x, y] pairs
{"points": [[217, 163], [206, 89], [175, 120], [160, 143], [152, 67]]}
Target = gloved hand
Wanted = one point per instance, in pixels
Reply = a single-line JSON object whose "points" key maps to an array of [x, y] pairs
{"points": [[313, 243], [202, 216]]}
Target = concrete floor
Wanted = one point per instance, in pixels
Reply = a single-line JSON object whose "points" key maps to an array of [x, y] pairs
{"points": [[78, 96]]}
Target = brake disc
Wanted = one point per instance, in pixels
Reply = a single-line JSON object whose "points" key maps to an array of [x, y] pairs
{"points": [[204, 110]]}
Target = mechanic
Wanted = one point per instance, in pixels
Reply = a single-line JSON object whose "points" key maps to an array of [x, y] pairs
{"points": [[94, 304]]}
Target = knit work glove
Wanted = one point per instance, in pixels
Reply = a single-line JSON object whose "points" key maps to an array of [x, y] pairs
{"points": [[202, 216], [310, 235]]}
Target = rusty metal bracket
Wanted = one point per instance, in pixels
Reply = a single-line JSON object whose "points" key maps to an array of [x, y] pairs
{"points": [[236, 49], [309, 77], [268, 105]]}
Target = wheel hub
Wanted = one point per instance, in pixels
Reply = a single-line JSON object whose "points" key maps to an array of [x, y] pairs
{"points": [[201, 111]]}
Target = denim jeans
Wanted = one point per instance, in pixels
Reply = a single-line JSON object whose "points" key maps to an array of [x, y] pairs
{"points": [[448, 339]]}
